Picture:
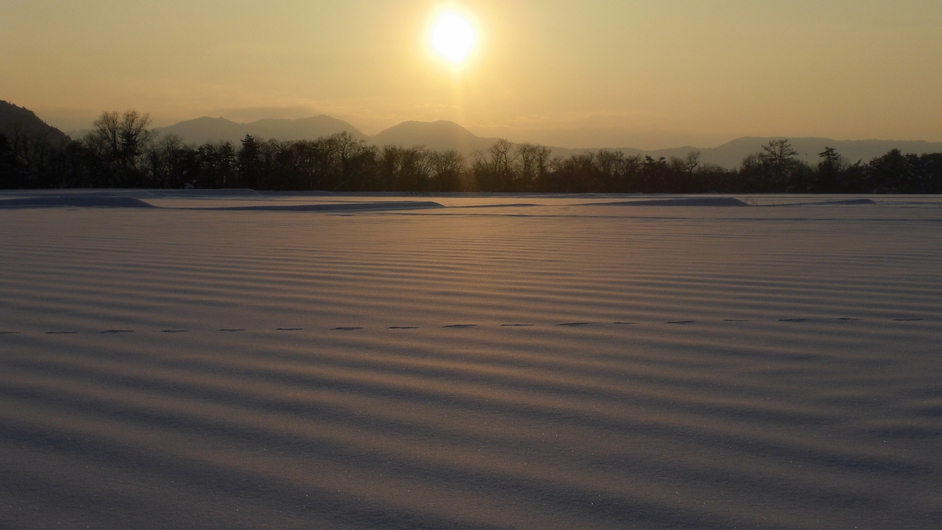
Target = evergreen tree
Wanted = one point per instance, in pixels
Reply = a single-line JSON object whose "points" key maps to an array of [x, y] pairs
{"points": [[250, 163]]}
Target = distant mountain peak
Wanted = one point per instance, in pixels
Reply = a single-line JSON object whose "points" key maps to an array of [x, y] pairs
{"points": [[440, 135]]}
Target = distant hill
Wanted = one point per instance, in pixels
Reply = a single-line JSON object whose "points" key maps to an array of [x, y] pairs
{"points": [[16, 121], [447, 135], [203, 130], [730, 154], [435, 136]]}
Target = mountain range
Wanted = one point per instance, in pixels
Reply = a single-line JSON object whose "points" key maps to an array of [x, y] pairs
{"points": [[446, 135], [203, 130], [435, 136]]}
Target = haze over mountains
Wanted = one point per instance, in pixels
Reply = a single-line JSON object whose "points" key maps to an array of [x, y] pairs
{"points": [[435, 136], [446, 135], [205, 129]]}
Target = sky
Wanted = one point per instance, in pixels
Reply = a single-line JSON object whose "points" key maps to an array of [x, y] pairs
{"points": [[593, 73]]}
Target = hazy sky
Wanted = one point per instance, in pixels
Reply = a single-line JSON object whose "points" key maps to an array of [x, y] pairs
{"points": [[592, 73]]}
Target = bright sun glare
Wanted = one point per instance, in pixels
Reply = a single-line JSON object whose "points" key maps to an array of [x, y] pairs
{"points": [[453, 38]]}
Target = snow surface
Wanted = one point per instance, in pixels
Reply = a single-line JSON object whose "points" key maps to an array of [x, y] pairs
{"points": [[247, 360]]}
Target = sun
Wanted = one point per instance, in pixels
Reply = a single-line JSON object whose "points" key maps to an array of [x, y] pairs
{"points": [[453, 38]]}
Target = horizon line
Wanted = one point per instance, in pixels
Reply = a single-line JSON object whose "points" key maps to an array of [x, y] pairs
{"points": [[596, 148]]}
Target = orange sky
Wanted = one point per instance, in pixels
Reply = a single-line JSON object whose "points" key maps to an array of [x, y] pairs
{"points": [[594, 73]]}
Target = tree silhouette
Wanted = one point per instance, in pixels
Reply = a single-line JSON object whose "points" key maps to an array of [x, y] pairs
{"points": [[692, 161], [830, 170], [355, 160], [250, 163], [532, 166], [446, 169], [405, 168], [893, 172], [119, 141], [493, 170], [778, 158], [217, 165], [168, 162]]}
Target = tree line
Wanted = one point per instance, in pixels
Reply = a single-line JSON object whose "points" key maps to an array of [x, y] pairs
{"points": [[122, 151]]}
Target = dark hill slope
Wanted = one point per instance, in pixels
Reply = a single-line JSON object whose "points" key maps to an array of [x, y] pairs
{"points": [[18, 122]]}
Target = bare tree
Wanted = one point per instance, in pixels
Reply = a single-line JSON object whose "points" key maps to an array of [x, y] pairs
{"points": [[532, 165], [446, 168], [611, 169], [353, 156], [494, 169], [406, 168], [692, 161], [501, 157], [166, 162], [120, 140]]}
